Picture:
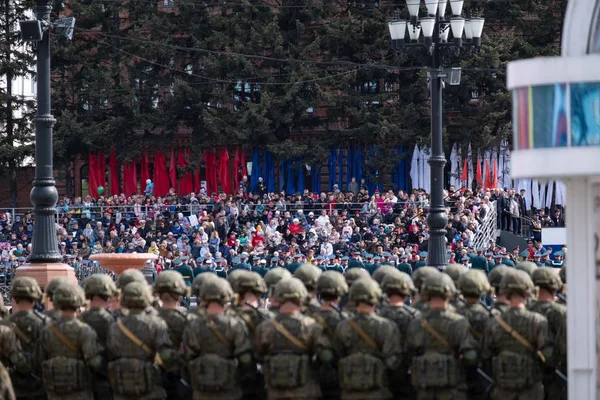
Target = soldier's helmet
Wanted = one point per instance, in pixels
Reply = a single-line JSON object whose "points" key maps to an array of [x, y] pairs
{"points": [[455, 271], [332, 284], [68, 295], [495, 276], [546, 278], [519, 283], [381, 272], [438, 285], [233, 278], [274, 275], [130, 275], [473, 283], [53, 284], [200, 279], [365, 290], [398, 283], [308, 274], [170, 282], [292, 290], [216, 290], [421, 274], [26, 287], [527, 266], [251, 282], [563, 274], [354, 274], [99, 285], [136, 295]]}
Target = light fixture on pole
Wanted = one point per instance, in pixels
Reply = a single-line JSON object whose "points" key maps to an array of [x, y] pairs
{"points": [[436, 28]]}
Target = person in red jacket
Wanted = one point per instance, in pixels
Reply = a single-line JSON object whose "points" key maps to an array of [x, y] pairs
{"points": [[258, 239], [295, 227]]}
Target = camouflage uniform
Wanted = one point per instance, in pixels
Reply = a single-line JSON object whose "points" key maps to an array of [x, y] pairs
{"points": [[196, 285], [132, 371], [473, 284], [272, 278], [100, 319], [28, 326], [54, 314], [125, 278], [217, 348], [419, 277], [67, 348], [401, 285], [556, 314], [369, 347], [172, 283], [455, 271], [331, 286], [308, 275], [380, 273], [518, 371], [440, 345], [6, 388], [495, 277], [287, 358], [352, 275]]}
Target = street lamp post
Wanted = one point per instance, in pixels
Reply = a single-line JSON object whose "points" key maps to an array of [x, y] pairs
{"points": [[435, 30]]}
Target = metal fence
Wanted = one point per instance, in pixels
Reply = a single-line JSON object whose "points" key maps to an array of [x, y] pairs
{"points": [[488, 227]]}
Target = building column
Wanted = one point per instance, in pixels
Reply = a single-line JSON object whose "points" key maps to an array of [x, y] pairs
{"points": [[581, 288]]}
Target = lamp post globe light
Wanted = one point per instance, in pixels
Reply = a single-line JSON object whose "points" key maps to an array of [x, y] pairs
{"points": [[431, 34]]}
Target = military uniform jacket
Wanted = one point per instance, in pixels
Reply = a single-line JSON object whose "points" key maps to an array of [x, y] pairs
{"points": [[451, 326], [6, 389], [530, 325], [478, 318], [199, 340], [11, 352], [401, 316], [270, 342], [176, 320], [383, 332], [556, 314], [100, 320]]}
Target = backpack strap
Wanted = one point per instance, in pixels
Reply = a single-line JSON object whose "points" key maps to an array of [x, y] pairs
{"points": [[436, 335], [287, 334], [219, 335], [363, 335], [24, 338], [65, 340], [504, 325], [138, 342]]}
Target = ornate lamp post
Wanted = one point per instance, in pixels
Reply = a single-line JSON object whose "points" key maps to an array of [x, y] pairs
{"points": [[435, 29]]}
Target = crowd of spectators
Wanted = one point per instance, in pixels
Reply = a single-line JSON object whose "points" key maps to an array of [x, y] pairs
{"points": [[260, 224]]}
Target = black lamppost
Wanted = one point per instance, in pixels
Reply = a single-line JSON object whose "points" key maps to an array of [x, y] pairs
{"points": [[436, 28]]}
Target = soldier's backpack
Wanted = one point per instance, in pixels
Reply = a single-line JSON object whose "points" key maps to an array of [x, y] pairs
{"points": [[435, 369], [287, 370], [211, 372], [361, 372], [64, 375]]}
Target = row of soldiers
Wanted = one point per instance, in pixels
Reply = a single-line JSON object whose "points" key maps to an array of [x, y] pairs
{"points": [[317, 335]]}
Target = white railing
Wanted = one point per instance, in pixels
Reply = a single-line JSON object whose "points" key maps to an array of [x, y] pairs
{"points": [[488, 230]]}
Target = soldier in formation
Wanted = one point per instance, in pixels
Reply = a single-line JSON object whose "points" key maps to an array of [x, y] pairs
{"points": [[345, 337]]}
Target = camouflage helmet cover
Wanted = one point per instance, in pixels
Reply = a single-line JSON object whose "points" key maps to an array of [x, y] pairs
{"points": [[455, 271], [68, 295], [438, 284], [308, 274], [421, 274], [517, 283], [251, 282], [99, 285], [365, 290], [130, 275], [354, 274], [381, 272], [274, 275], [216, 290], [170, 282], [200, 279], [527, 266], [291, 289], [26, 287], [546, 278], [473, 283], [495, 276], [53, 284], [398, 283], [136, 295], [331, 283]]}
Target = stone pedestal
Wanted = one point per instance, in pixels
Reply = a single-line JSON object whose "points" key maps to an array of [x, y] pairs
{"points": [[45, 272]]}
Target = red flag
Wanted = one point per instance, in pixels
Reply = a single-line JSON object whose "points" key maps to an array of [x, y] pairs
{"points": [[236, 168], [243, 162], [130, 178], [114, 173], [102, 171], [196, 180], [144, 170], [464, 177], [478, 175], [210, 162], [161, 177], [224, 174], [495, 175], [93, 175], [487, 182], [185, 183], [173, 170]]}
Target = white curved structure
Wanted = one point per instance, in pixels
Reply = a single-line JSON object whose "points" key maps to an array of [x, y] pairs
{"points": [[556, 132]]}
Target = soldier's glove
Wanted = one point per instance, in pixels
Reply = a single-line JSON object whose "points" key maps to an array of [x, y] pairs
{"points": [[326, 356], [98, 365], [469, 358]]}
